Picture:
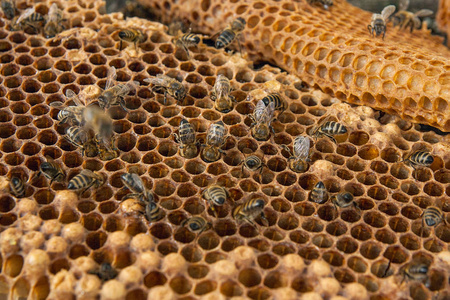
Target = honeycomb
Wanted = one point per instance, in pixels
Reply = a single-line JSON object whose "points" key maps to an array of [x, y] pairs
{"points": [[443, 17], [52, 239], [406, 74]]}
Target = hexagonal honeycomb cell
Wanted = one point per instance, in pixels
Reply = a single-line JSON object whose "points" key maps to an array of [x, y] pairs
{"points": [[54, 241]]}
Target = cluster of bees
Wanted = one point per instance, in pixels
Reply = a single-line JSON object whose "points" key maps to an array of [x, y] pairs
{"points": [[91, 130]]}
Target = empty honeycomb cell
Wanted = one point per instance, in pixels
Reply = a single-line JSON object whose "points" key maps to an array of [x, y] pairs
{"points": [[26, 133], [12, 82], [375, 219], [333, 258], [377, 193], [411, 212], [30, 148], [19, 108], [398, 224], [367, 178], [388, 208], [361, 232], [399, 171], [433, 189], [37, 52], [121, 126]]}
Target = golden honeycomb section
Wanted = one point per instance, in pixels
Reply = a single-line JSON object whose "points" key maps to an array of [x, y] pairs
{"points": [[51, 239], [406, 74]]}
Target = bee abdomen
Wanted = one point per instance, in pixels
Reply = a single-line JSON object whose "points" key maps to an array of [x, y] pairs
{"points": [[422, 158], [275, 98], [253, 162], [225, 38], [432, 216], [78, 182], [191, 39], [319, 193], [217, 195], [334, 128], [17, 187]]}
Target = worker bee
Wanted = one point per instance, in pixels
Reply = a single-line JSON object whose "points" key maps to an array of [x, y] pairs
{"points": [[343, 200], [298, 161], [215, 138], [279, 103], [114, 94], [53, 25], [261, 121], [29, 19], [415, 271], [231, 33], [71, 114], [215, 195], [253, 163], [221, 94], [51, 170], [101, 124], [325, 3], [419, 158], [328, 129], [85, 180], [81, 138], [319, 193], [196, 224], [131, 35], [134, 183], [378, 23], [17, 187], [169, 86], [432, 216], [106, 154], [152, 212], [186, 139], [105, 272], [406, 19], [187, 40], [250, 210], [9, 8]]}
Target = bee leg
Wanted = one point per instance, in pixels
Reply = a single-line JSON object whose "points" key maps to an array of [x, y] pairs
{"points": [[87, 187], [122, 104], [242, 171], [387, 269], [250, 221], [240, 48], [165, 97], [186, 49], [264, 219], [120, 45], [183, 223], [331, 138], [370, 30]]}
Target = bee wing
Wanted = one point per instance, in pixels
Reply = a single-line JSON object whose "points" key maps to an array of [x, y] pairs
{"points": [[403, 5], [53, 9], [301, 147], [424, 13], [128, 87], [87, 172], [259, 110], [158, 80], [57, 104], [28, 12], [138, 181], [387, 11], [267, 116], [112, 74]]}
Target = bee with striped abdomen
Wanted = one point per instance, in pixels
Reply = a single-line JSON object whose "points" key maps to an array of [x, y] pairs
{"points": [[419, 158], [187, 40], [223, 101], [328, 129], [196, 224], [169, 86], [101, 123], [17, 186], [279, 103], [261, 121], [72, 114], [253, 163], [415, 271], [152, 212], [319, 193], [405, 19], [53, 26], [298, 161], [29, 18], [85, 180], [215, 138], [215, 195], [324, 3], [344, 200], [51, 170], [231, 33], [114, 94], [186, 139], [250, 210], [81, 138], [134, 183], [131, 35], [9, 8], [432, 216], [378, 22]]}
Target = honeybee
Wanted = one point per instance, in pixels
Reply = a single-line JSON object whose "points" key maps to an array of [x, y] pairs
{"points": [[343, 200], [187, 40], [51, 170], [221, 94], [17, 187], [419, 158], [261, 121], [152, 212], [131, 35], [319, 193], [71, 114], [404, 18], [105, 272], [432, 216], [231, 33], [101, 124], [253, 163], [114, 94], [378, 23], [29, 18], [279, 103], [85, 180], [106, 154], [415, 271], [298, 161], [328, 129], [215, 195], [53, 25], [134, 183], [169, 86], [196, 224], [132, 207], [250, 210], [9, 8], [186, 139], [81, 138], [215, 138], [325, 3]]}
